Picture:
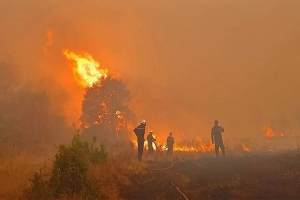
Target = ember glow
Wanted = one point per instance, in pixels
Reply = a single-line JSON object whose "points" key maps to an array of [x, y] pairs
{"points": [[86, 69], [121, 121], [119, 114]]}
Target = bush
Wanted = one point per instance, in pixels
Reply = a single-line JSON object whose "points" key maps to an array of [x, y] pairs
{"points": [[69, 175], [39, 188], [97, 155]]}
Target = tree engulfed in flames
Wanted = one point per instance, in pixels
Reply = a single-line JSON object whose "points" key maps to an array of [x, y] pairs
{"points": [[105, 112], [86, 69]]}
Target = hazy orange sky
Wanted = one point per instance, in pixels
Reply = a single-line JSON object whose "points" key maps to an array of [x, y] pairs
{"points": [[186, 63]]}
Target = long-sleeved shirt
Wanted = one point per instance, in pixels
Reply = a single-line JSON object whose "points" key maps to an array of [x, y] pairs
{"points": [[216, 133], [140, 132], [150, 138], [170, 141]]}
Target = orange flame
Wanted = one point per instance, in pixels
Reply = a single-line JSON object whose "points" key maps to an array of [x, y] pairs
{"points": [[86, 69], [121, 121], [269, 131], [198, 146], [245, 149]]}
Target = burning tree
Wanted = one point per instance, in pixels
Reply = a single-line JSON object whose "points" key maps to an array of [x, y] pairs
{"points": [[105, 112]]}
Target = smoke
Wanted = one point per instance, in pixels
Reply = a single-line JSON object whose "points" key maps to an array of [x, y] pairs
{"points": [[49, 41], [186, 63]]}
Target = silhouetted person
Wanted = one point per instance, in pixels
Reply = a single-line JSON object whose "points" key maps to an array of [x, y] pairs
{"points": [[170, 143], [140, 132], [216, 138], [150, 140]]}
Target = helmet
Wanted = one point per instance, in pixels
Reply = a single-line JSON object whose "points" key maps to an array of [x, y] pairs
{"points": [[151, 131], [143, 121]]}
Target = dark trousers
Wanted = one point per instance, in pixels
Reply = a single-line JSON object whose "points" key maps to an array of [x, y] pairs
{"points": [[150, 149], [170, 150], [219, 145], [140, 149]]}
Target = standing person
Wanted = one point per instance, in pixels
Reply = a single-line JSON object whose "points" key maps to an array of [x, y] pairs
{"points": [[216, 138], [140, 132], [170, 143], [150, 140]]}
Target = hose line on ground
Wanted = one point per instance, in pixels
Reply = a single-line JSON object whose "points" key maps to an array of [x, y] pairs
{"points": [[158, 170]]}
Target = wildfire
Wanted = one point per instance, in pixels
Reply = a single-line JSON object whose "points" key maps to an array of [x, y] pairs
{"points": [[197, 146], [119, 114], [245, 149], [269, 131], [86, 69], [121, 124], [185, 148]]}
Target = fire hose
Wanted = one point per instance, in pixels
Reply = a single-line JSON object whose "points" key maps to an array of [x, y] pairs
{"points": [[165, 177]]}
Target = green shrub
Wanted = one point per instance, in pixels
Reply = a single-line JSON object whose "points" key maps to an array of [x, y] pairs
{"points": [[69, 175], [39, 188], [97, 155]]}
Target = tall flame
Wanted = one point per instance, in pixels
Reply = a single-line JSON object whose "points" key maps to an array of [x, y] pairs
{"points": [[86, 69]]}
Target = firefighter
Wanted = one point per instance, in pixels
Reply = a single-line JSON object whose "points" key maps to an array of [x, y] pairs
{"points": [[150, 140], [170, 143], [216, 138], [140, 132]]}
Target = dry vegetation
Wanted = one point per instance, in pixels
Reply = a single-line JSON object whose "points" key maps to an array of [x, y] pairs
{"points": [[17, 168], [31, 167], [197, 175]]}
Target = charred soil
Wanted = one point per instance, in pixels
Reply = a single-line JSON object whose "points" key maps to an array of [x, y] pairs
{"points": [[268, 176]]}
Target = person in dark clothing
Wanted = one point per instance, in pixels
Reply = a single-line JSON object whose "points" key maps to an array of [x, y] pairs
{"points": [[150, 140], [216, 138], [170, 143], [140, 132]]}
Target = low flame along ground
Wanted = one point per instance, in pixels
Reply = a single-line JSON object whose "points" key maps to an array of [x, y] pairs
{"points": [[271, 133], [200, 146], [196, 146], [87, 72]]}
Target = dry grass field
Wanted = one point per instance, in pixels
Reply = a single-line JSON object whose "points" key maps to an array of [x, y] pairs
{"points": [[273, 175], [16, 168]]}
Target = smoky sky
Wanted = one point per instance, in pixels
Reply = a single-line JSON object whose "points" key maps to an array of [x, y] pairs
{"points": [[186, 63]]}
